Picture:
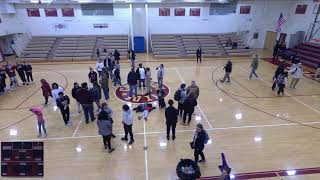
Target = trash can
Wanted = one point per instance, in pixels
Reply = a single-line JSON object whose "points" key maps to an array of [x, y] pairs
{"points": [[187, 169]]}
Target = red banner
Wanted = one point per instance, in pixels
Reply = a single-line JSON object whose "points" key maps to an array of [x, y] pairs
{"points": [[67, 12], [301, 9], [194, 12], [245, 9], [51, 12], [33, 12], [179, 12], [164, 11]]}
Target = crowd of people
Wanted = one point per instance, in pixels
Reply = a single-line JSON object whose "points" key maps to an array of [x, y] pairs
{"points": [[9, 70]]}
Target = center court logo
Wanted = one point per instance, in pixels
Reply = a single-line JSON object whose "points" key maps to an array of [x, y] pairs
{"points": [[122, 93]]}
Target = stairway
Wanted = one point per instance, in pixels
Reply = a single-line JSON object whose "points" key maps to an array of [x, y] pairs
{"points": [[223, 52], [182, 50], [309, 54], [54, 47], [98, 45]]}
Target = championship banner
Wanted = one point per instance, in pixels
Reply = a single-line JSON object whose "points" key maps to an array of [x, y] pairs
{"points": [[51, 12], [33, 12], [67, 12]]}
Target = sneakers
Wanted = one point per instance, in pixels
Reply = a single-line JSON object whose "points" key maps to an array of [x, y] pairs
{"points": [[124, 139], [131, 142], [168, 138], [111, 150], [173, 138], [113, 136], [39, 135], [105, 147], [202, 161]]}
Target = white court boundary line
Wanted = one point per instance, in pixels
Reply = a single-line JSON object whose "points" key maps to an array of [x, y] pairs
{"points": [[243, 69], [178, 131], [145, 150], [198, 102], [77, 127]]}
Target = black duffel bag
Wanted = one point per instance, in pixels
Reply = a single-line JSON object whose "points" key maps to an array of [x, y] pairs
{"points": [[187, 169]]}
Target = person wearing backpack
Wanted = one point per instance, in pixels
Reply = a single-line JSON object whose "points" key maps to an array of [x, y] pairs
{"points": [[188, 108], [180, 95], [199, 139], [171, 114], [297, 73], [281, 82]]}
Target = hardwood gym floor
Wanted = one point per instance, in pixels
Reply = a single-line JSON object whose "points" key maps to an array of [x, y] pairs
{"points": [[270, 133]]}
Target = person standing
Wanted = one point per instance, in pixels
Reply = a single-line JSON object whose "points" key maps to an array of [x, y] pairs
{"points": [[93, 77], [133, 58], [28, 72], [106, 108], [86, 100], [99, 67], [127, 120], [276, 50], [199, 54], [281, 81], [21, 73], [160, 74], [3, 78], [116, 55], [141, 71], [193, 89], [46, 90], [76, 88], [56, 89], [161, 95], [228, 70], [98, 53], [41, 124], [96, 92], [117, 78], [10, 70], [105, 128], [111, 64], [188, 108], [297, 73], [148, 80], [280, 70], [198, 143], [105, 83], [181, 96], [132, 81], [254, 66], [171, 115], [63, 102]]}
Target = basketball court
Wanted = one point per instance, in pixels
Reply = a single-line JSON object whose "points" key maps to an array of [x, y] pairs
{"points": [[257, 130]]}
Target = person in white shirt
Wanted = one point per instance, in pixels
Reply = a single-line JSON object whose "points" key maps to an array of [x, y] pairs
{"points": [[56, 89], [141, 71], [99, 67], [297, 72]]}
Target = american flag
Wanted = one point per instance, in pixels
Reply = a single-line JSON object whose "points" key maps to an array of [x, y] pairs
{"points": [[281, 21]]}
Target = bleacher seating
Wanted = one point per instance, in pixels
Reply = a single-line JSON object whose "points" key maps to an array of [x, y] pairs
{"points": [[309, 54], [111, 43], [38, 48], [185, 45]]}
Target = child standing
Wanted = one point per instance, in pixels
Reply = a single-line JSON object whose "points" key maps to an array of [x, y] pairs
{"points": [[281, 81], [38, 112], [46, 90], [63, 102]]}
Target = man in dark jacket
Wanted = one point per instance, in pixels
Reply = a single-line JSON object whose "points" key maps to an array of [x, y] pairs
{"points": [[93, 76], [28, 70], [116, 55], [86, 100], [63, 102], [171, 114], [76, 88], [21, 73], [228, 70], [188, 107], [132, 81], [199, 53]]}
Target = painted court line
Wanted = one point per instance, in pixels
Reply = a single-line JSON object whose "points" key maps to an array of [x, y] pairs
{"points": [[198, 102], [145, 150], [77, 127], [243, 69], [177, 131]]}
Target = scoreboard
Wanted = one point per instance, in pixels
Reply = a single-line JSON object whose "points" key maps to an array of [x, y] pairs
{"points": [[23, 159]]}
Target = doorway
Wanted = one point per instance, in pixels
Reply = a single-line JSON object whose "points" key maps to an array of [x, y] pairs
{"points": [[270, 40]]}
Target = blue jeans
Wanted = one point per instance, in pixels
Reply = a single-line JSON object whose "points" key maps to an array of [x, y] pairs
{"points": [[88, 109], [253, 72], [42, 124], [116, 81], [106, 93], [133, 90]]}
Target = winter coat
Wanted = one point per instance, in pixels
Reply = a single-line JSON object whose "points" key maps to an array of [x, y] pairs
{"points": [[104, 124], [228, 67], [84, 96], [199, 139], [74, 92], [46, 89], [105, 81], [93, 76], [132, 78], [189, 104], [63, 102], [96, 92], [171, 114], [194, 90]]}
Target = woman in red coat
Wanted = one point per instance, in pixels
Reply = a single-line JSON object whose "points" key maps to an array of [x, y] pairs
{"points": [[46, 90]]}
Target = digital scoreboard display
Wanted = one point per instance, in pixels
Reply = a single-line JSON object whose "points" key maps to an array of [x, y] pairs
{"points": [[23, 159]]}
